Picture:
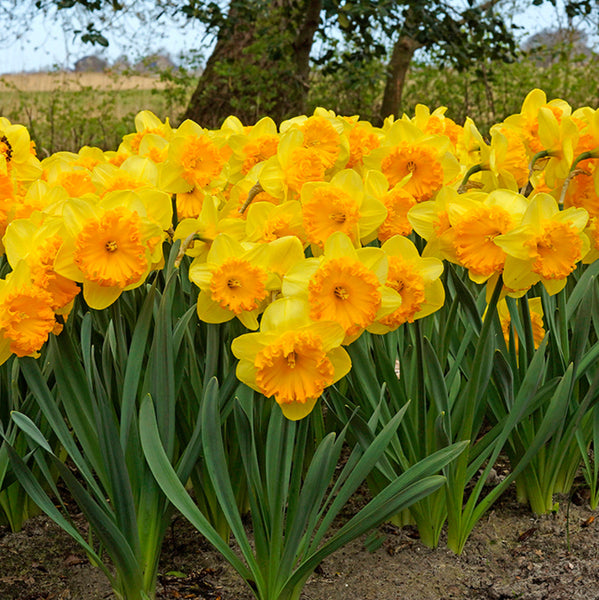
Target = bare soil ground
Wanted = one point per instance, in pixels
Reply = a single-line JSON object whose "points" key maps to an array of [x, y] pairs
{"points": [[511, 554]]}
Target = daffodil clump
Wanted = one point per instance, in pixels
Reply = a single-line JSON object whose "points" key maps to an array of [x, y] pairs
{"points": [[303, 232]]}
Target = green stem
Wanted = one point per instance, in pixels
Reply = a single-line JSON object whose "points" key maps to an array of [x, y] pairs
{"points": [[527, 323], [535, 158], [420, 389], [471, 171], [573, 172]]}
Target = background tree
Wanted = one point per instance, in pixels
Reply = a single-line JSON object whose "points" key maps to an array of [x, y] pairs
{"points": [[264, 51], [260, 64]]}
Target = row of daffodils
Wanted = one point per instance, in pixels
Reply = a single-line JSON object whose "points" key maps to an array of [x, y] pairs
{"points": [[303, 232]]}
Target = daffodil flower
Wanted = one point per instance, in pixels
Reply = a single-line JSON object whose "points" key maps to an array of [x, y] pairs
{"points": [[26, 316], [292, 358], [477, 219], [340, 205], [235, 281], [408, 153], [110, 246], [415, 279], [545, 247], [344, 285]]}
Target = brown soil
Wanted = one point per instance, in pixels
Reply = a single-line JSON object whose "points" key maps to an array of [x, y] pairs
{"points": [[511, 554]]}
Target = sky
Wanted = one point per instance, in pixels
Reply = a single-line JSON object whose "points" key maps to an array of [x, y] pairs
{"points": [[46, 44], [50, 43]]}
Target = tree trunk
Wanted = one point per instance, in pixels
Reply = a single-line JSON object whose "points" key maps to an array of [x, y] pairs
{"points": [[403, 51], [260, 64]]}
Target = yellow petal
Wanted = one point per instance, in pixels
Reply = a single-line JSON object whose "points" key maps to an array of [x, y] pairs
{"points": [[294, 411], [211, 312], [100, 296]]}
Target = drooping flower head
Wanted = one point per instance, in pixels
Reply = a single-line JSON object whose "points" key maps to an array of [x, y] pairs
{"points": [[26, 316]]}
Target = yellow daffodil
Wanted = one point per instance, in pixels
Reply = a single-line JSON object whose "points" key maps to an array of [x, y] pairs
{"points": [[252, 147], [345, 285], [203, 230], [36, 242], [477, 219], [397, 202], [536, 319], [430, 221], [195, 160], [266, 222], [134, 173], [580, 190], [17, 157], [436, 123], [235, 281], [558, 139], [324, 133], [146, 123], [62, 170], [363, 138], [292, 358], [425, 162], [283, 175], [545, 247], [340, 205], [508, 160], [415, 279], [527, 120], [26, 316], [111, 245]]}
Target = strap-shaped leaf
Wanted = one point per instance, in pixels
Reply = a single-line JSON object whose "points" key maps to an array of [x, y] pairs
{"points": [[31, 429], [173, 488]]}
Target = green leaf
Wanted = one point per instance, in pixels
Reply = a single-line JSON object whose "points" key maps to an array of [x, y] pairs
{"points": [[31, 429], [173, 488]]}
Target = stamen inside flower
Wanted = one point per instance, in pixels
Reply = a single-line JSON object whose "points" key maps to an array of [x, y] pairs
{"points": [[109, 251], [404, 278], [345, 291], [237, 285], [474, 239], [295, 368], [419, 161], [329, 209], [556, 250]]}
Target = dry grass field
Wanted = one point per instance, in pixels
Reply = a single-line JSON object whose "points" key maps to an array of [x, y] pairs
{"points": [[65, 110], [71, 81]]}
